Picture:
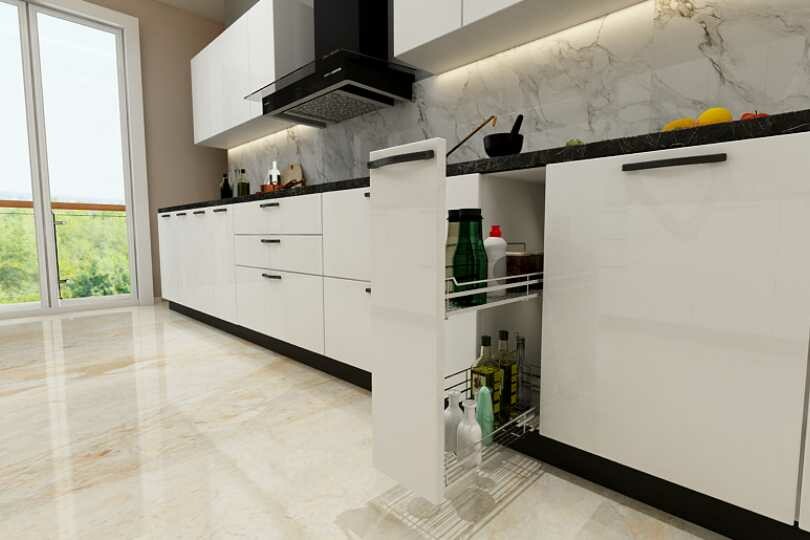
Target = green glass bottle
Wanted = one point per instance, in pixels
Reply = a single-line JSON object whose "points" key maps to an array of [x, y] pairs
{"points": [[470, 259]]}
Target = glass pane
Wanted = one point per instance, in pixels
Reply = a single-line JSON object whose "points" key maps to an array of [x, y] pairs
{"points": [[85, 156], [19, 270]]}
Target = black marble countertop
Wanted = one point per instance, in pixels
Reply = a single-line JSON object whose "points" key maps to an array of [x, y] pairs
{"points": [[780, 124]]}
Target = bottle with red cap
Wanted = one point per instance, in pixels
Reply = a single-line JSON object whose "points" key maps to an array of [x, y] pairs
{"points": [[495, 246]]}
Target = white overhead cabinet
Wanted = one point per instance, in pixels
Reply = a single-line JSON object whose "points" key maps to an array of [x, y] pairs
{"points": [[270, 40], [676, 315], [440, 36], [417, 22]]}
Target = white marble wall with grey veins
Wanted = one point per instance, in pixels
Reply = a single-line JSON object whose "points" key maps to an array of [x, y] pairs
{"points": [[625, 74]]}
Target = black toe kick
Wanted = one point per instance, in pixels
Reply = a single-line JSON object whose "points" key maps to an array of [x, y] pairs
{"points": [[708, 512], [351, 374]]}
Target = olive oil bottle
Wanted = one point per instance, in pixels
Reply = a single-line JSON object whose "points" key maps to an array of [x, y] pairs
{"points": [[487, 372], [509, 368]]}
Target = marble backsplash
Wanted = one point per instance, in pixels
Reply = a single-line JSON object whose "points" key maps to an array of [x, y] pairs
{"points": [[625, 74]]}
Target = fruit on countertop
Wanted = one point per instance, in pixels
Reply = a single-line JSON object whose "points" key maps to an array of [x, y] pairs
{"points": [[753, 115], [715, 115], [574, 142], [680, 123]]}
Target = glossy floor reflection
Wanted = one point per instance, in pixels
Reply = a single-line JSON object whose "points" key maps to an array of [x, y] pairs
{"points": [[142, 423]]}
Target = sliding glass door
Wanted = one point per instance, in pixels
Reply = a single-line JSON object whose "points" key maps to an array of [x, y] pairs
{"points": [[67, 237]]}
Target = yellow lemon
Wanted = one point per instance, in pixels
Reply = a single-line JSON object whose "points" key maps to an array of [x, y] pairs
{"points": [[680, 123], [715, 115]]}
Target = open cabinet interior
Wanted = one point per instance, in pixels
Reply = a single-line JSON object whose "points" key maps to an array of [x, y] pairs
{"points": [[425, 343]]}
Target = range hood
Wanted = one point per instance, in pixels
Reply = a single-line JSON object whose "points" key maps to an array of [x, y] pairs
{"points": [[352, 73]]}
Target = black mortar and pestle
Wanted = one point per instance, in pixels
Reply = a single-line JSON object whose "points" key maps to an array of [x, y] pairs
{"points": [[505, 144]]}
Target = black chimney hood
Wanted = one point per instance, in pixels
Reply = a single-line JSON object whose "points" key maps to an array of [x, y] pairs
{"points": [[352, 73]]}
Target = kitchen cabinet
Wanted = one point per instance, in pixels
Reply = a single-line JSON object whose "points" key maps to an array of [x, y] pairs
{"points": [[169, 261], [285, 215], [440, 36], [417, 335], [189, 275], [475, 10], [347, 322], [301, 254], [676, 315], [283, 305], [270, 40], [346, 234], [417, 22]]}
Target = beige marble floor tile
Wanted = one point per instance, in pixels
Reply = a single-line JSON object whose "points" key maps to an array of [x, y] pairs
{"points": [[142, 423]]}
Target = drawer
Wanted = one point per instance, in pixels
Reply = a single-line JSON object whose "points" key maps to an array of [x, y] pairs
{"points": [[286, 215], [347, 239], [347, 316], [291, 253], [282, 305]]}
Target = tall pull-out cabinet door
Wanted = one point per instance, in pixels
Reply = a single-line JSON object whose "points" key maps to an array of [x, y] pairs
{"points": [[408, 215], [676, 315]]}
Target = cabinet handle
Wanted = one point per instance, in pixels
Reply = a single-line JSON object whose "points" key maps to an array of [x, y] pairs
{"points": [[402, 158], [367, 194], [181, 214], [165, 216], [675, 162], [198, 212], [270, 205], [218, 210], [368, 290], [270, 241], [270, 276]]}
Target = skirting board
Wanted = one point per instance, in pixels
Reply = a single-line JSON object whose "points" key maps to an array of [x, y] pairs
{"points": [[708, 512], [356, 376]]}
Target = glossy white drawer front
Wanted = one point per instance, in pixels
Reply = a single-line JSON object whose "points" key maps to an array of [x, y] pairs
{"points": [[347, 312], [285, 215], [347, 236], [676, 316], [291, 253], [283, 305]]}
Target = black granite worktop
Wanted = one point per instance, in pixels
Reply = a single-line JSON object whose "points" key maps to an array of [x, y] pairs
{"points": [[781, 124]]}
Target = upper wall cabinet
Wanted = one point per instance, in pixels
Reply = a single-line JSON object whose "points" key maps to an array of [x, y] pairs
{"points": [[439, 36], [270, 40], [412, 28]]}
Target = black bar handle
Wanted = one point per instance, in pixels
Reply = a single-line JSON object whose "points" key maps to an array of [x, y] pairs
{"points": [[180, 214], [166, 215], [675, 162], [367, 194], [270, 205], [402, 158], [198, 212], [270, 241], [270, 276], [218, 210], [368, 290]]}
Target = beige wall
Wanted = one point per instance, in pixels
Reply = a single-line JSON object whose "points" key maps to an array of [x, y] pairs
{"points": [[179, 172]]}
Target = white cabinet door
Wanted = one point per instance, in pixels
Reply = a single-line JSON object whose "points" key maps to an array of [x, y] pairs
{"points": [[286, 215], [184, 258], [257, 307], [408, 222], [346, 236], [168, 279], [417, 22], [301, 299], [676, 314], [347, 319], [219, 225], [235, 75], [261, 44], [200, 269], [475, 10], [207, 91], [290, 253]]}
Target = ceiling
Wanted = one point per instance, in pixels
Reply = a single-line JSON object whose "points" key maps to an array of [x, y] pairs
{"points": [[210, 9]]}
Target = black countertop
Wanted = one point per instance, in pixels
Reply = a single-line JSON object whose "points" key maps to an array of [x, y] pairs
{"points": [[781, 124]]}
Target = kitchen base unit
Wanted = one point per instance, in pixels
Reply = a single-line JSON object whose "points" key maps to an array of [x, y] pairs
{"points": [[351, 374]]}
